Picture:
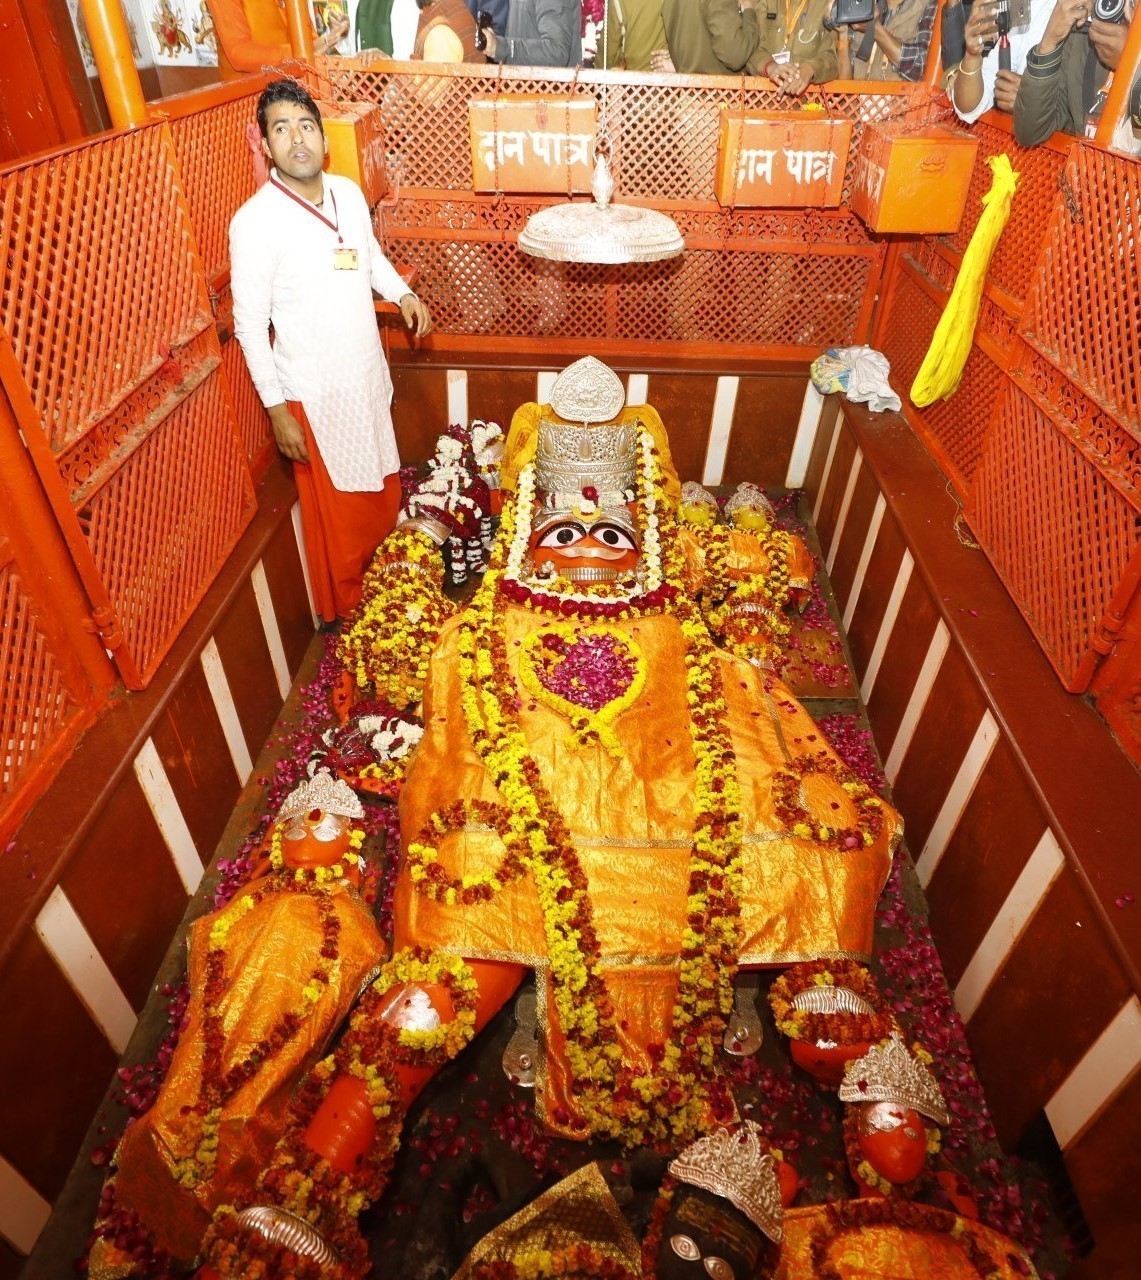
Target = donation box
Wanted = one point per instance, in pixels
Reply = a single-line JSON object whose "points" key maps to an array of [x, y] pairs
{"points": [[781, 159], [533, 142], [355, 136], [912, 179]]}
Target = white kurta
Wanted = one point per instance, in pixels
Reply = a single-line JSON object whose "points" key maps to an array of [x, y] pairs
{"points": [[326, 350]]}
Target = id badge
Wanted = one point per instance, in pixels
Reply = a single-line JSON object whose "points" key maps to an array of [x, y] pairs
{"points": [[782, 56], [344, 259]]}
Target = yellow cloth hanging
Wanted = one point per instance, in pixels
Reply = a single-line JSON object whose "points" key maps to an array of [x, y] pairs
{"points": [[942, 368]]}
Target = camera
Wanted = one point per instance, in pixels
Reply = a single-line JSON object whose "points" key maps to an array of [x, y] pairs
{"points": [[483, 21], [844, 12], [1108, 11]]}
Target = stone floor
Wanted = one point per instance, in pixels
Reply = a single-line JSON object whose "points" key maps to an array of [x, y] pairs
{"points": [[472, 1154]]}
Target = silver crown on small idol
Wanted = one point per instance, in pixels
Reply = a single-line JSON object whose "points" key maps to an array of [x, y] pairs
{"points": [[322, 792], [888, 1072], [748, 497], [739, 1168]]}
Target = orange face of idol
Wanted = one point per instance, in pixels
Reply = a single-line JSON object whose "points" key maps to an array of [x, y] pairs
{"points": [[584, 548], [893, 1140], [315, 839]]}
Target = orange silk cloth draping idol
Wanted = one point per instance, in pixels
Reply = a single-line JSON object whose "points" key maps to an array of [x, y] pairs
{"points": [[271, 953], [631, 814]]}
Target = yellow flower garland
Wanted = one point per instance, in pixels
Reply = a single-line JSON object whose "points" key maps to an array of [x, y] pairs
{"points": [[435, 969], [388, 640]]}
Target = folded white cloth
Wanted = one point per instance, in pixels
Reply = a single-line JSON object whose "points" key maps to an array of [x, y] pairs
{"points": [[861, 373]]}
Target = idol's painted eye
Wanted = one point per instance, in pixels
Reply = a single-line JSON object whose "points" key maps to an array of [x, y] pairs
{"points": [[610, 535], [564, 534], [719, 1269], [685, 1248]]}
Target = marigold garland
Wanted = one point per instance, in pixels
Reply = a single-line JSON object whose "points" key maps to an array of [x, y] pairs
{"points": [[856, 1215], [790, 809], [745, 610], [303, 1182], [418, 966], [843, 1028], [422, 854], [387, 641], [216, 1086], [674, 1100]]}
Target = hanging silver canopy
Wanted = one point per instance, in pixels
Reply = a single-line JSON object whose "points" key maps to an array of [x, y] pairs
{"points": [[600, 232]]}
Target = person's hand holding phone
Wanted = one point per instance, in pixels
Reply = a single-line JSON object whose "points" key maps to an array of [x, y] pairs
{"points": [[982, 27]]}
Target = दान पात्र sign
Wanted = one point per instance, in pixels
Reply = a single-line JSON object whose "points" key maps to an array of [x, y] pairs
{"points": [[532, 143], [782, 159]]}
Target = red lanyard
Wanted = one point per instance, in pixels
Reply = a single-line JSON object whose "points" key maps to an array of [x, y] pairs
{"points": [[334, 223]]}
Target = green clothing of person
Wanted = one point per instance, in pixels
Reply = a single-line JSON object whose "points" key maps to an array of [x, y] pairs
{"points": [[1057, 90], [374, 25], [799, 28], [709, 37], [633, 30]]}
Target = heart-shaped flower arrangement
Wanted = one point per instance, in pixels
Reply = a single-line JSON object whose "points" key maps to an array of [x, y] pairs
{"points": [[590, 674]]}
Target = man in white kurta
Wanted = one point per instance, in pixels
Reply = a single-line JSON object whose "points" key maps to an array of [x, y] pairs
{"points": [[303, 258]]}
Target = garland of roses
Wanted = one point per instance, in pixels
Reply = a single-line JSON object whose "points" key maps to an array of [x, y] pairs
{"points": [[670, 1102], [422, 854], [216, 1087], [389, 638], [856, 1215], [867, 1172], [791, 812], [843, 1028]]}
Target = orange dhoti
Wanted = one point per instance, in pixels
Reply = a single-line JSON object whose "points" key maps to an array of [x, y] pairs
{"points": [[341, 530], [631, 814]]}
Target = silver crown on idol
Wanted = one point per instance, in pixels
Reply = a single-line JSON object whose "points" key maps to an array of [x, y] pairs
{"points": [[588, 391], [570, 458], [587, 448], [322, 792], [738, 1167], [889, 1073], [748, 497]]}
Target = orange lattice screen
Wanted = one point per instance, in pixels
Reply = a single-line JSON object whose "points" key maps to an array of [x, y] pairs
{"points": [[217, 172], [162, 526], [762, 282], [108, 351], [100, 278], [1060, 534], [1021, 243], [37, 710], [1085, 307]]}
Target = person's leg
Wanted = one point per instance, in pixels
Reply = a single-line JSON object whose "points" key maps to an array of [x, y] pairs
{"points": [[341, 530]]}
